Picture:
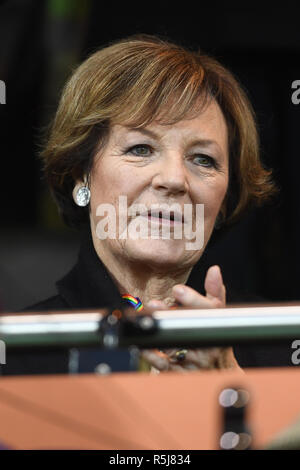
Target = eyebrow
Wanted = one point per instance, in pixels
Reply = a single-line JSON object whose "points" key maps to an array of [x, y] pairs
{"points": [[144, 131], [193, 143]]}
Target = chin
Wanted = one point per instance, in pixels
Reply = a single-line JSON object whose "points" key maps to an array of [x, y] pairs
{"points": [[157, 252]]}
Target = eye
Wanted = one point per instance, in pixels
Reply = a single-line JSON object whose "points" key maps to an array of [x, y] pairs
{"points": [[141, 150], [205, 160]]}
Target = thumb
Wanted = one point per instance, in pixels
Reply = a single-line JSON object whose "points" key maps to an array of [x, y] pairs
{"points": [[214, 287]]}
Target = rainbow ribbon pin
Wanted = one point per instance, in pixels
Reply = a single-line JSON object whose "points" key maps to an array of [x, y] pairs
{"points": [[135, 302]]}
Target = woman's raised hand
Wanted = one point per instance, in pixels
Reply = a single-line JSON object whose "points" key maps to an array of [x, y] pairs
{"points": [[211, 358]]}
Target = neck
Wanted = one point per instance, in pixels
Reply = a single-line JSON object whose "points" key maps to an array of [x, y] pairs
{"points": [[143, 280], [147, 282]]}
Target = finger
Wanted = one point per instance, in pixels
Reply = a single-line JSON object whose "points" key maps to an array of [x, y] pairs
{"points": [[183, 368], [170, 352], [156, 358], [160, 362], [214, 287], [214, 358], [154, 370], [209, 358], [173, 358], [155, 305], [199, 359], [194, 358], [189, 297]]}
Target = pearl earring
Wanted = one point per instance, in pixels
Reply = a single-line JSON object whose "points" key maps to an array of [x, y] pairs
{"points": [[82, 194]]}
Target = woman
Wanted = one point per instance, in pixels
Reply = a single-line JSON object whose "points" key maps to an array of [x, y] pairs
{"points": [[149, 121]]}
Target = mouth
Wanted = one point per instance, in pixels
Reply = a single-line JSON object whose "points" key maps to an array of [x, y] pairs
{"points": [[162, 216]]}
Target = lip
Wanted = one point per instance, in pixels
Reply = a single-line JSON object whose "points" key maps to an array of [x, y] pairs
{"points": [[164, 217], [161, 220]]}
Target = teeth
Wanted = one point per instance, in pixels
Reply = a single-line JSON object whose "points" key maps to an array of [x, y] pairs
{"points": [[168, 216]]}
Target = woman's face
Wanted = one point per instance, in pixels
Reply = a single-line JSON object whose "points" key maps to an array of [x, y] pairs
{"points": [[184, 163]]}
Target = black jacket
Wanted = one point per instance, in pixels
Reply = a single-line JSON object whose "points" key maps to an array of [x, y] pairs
{"points": [[89, 286]]}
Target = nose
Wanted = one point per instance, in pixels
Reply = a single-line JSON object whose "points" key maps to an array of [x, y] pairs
{"points": [[171, 176]]}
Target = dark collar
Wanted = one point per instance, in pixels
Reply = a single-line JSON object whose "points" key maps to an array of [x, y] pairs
{"points": [[89, 285]]}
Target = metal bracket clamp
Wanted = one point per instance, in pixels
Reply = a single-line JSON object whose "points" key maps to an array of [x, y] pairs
{"points": [[133, 326], [118, 324], [109, 328]]}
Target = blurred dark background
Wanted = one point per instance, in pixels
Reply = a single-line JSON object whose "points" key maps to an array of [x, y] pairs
{"points": [[41, 41]]}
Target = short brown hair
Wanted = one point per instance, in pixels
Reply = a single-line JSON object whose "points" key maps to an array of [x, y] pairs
{"points": [[135, 81]]}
